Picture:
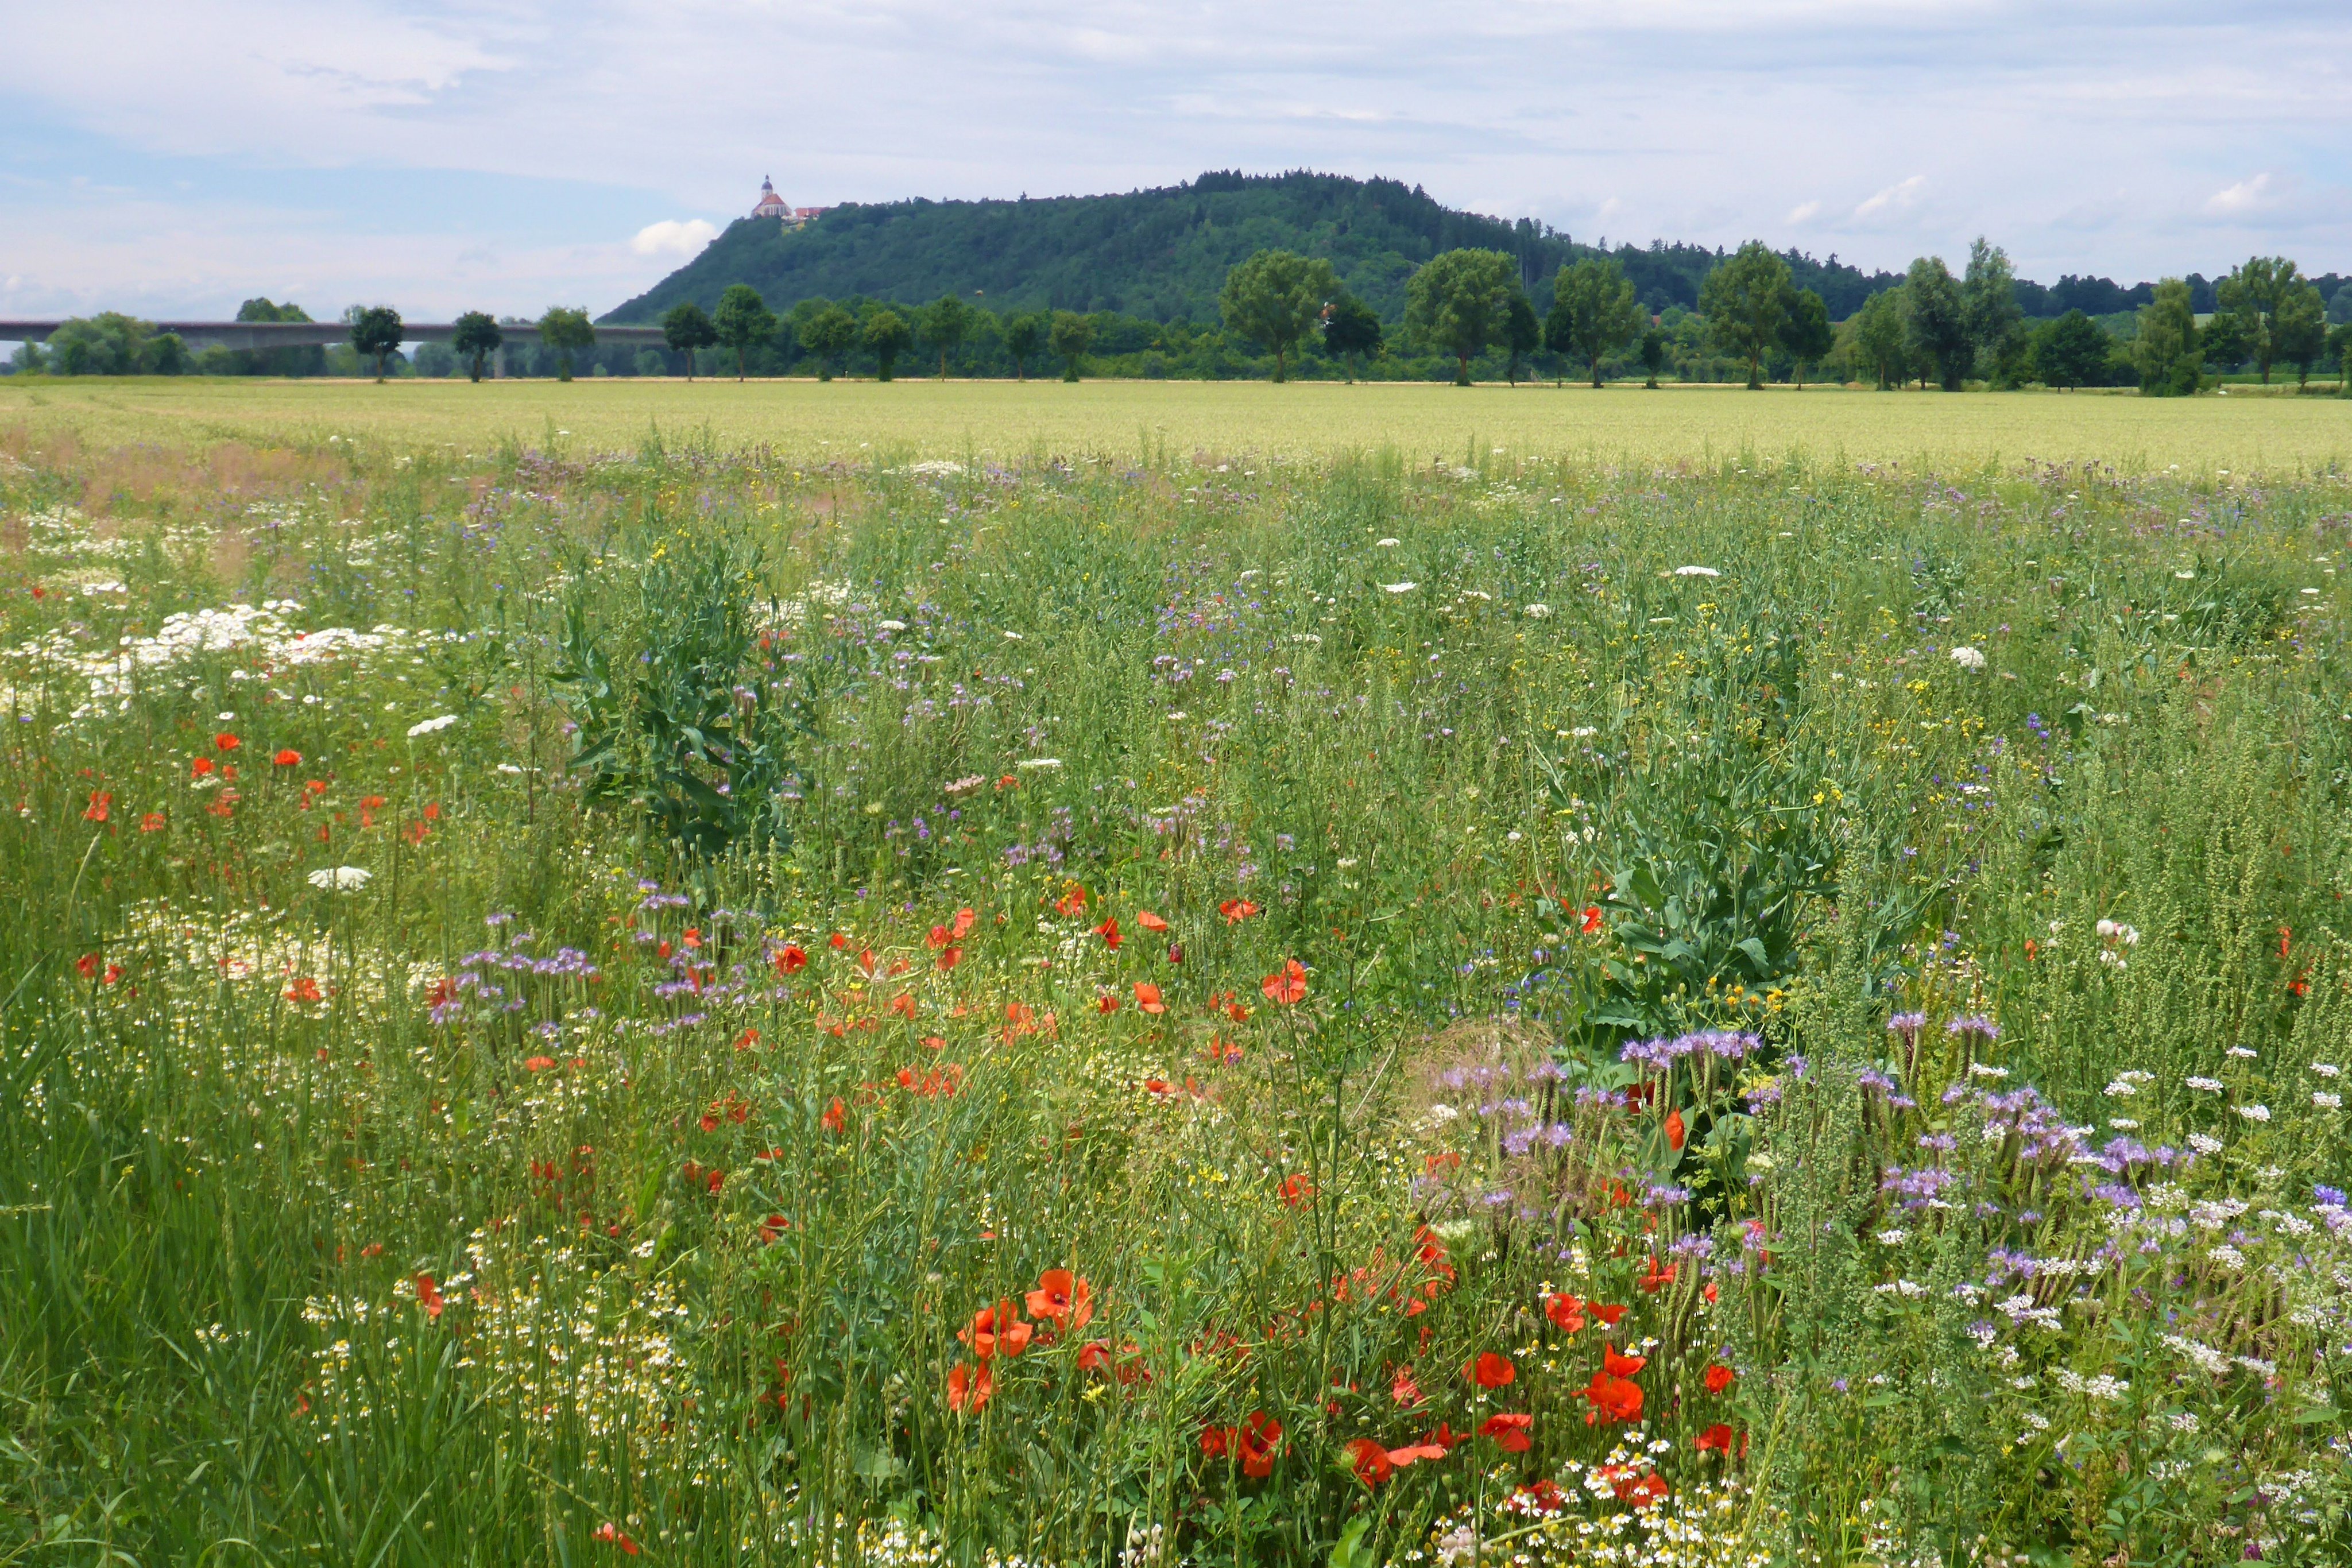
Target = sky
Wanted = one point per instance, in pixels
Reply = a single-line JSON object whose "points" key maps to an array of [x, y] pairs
{"points": [[174, 159]]}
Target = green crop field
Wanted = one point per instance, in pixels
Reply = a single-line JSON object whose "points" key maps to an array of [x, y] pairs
{"points": [[1002, 419], [1136, 975]]}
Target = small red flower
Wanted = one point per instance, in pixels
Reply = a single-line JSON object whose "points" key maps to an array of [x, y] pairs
{"points": [[303, 989], [87, 966], [1617, 1365], [1297, 1190], [949, 958], [1146, 998], [1370, 1461], [1675, 1132], [614, 1533], [1287, 986], [1567, 1314], [1592, 921], [1544, 1497], [537, 1063], [835, 1117], [773, 1227], [1062, 1299], [1612, 1399], [1717, 1437], [1718, 1378], [1509, 1432], [152, 822], [224, 741], [1490, 1371], [1108, 1002], [1236, 910], [289, 757], [1151, 922], [1108, 932], [428, 1296], [791, 958], [101, 802], [1258, 1441]]}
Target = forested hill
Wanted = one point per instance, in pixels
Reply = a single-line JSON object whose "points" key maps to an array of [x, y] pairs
{"points": [[1163, 254]]}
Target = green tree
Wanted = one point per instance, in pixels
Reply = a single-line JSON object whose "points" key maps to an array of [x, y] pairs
{"points": [[945, 323], [166, 355], [566, 330], [2165, 350], [2339, 343], [2226, 339], [1353, 332], [1654, 354], [2071, 352], [686, 329], [742, 320], [885, 336], [1807, 336], [1593, 313], [1989, 300], [376, 330], [1881, 336], [1024, 334], [1522, 334], [829, 333], [1745, 303], [1070, 336], [2253, 293], [2299, 330], [1460, 303], [1938, 322], [475, 338], [1275, 298]]}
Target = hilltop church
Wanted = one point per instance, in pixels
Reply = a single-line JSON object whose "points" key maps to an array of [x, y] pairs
{"points": [[772, 206]]}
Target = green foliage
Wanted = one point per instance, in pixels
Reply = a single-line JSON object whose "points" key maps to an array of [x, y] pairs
{"points": [[1653, 355], [2166, 348], [886, 335], [107, 344], [829, 333], [741, 320], [699, 732], [1593, 314], [2253, 295], [687, 330], [1988, 299], [1069, 335], [2071, 352], [1881, 338], [1023, 335], [945, 323], [1351, 332], [1745, 303], [2299, 329], [375, 332], [476, 336], [1808, 335], [566, 330], [1460, 303], [1276, 298], [1936, 323]]}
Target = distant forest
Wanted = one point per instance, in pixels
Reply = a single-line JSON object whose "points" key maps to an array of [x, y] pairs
{"points": [[1162, 254]]}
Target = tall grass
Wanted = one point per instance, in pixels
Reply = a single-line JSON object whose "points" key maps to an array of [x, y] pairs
{"points": [[618, 1167]]}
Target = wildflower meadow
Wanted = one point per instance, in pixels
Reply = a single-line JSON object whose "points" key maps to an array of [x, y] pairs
{"points": [[705, 1003]]}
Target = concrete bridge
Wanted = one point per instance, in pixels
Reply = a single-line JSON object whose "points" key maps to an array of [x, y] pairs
{"points": [[309, 334]]}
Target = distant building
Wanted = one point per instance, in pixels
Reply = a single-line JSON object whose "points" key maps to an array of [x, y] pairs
{"points": [[772, 206]]}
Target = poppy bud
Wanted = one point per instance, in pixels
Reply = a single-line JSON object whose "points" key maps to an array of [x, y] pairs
{"points": [[1175, 952]]}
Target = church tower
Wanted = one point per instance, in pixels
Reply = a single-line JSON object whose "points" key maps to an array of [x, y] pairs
{"points": [[770, 206]]}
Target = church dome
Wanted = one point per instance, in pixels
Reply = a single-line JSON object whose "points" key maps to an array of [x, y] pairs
{"points": [[770, 205]]}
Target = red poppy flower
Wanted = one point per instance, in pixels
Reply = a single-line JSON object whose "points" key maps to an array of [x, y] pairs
{"points": [[1216, 1442], [1072, 901], [1370, 1461], [1404, 1390], [1718, 1378], [903, 1004], [1608, 1315], [227, 742], [962, 926], [1062, 1299], [613, 1532], [428, 1296], [773, 1227], [837, 941], [1612, 1399], [1287, 985], [1150, 922], [152, 822], [1617, 1365], [1490, 1371], [1509, 1432], [835, 1117], [968, 1393], [289, 757], [1108, 932], [1258, 1441], [1236, 910], [101, 802], [791, 958], [303, 989], [1297, 1190], [949, 958], [1567, 1314], [995, 1329], [1717, 1437], [1094, 1355], [1108, 1002], [113, 973], [87, 966], [1592, 921], [939, 937], [1657, 1277], [537, 1063], [1147, 997], [201, 765], [1675, 1132]]}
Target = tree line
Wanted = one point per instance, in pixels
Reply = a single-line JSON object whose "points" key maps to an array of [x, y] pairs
{"points": [[1467, 313]]}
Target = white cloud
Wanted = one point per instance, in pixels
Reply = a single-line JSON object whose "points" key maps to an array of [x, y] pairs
{"points": [[2245, 196], [1896, 197], [671, 237], [1802, 213]]}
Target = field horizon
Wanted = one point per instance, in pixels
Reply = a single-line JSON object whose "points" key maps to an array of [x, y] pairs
{"points": [[2247, 431]]}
